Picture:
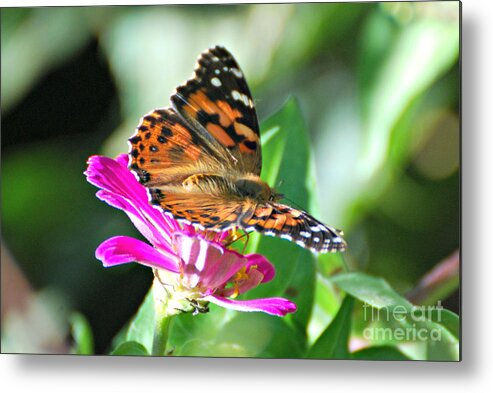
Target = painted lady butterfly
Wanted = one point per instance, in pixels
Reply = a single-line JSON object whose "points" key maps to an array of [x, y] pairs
{"points": [[201, 159]]}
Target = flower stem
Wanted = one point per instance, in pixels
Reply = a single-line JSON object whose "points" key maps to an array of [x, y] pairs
{"points": [[162, 317], [161, 330]]}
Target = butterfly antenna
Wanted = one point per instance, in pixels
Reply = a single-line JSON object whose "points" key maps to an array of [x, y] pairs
{"points": [[292, 203], [282, 196]]}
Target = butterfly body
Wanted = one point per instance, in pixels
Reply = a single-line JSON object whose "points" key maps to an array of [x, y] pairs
{"points": [[231, 186], [201, 160]]}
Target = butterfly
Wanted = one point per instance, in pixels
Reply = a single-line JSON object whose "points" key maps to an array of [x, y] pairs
{"points": [[200, 160]]}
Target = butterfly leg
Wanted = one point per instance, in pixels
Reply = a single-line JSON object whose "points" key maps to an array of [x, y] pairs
{"points": [[247, 239], [235, 236]]}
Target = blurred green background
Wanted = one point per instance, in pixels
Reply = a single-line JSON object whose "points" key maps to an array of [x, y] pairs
{"points": [[378, 86]]}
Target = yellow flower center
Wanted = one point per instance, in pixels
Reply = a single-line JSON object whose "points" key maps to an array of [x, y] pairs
{"points": [[240, 277]]}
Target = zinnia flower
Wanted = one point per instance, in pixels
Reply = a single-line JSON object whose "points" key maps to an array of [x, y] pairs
{"points": [[191, 267]]}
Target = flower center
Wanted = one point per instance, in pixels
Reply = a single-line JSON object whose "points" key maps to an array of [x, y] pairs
{"points": [[176, 295], [239, 278]]}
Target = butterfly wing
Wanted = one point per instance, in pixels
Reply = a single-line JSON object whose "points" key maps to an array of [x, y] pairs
{"points": [[218, 103], [169, 150], [295, 225], [205, 211], [165, 150], [181, 172], [184, 155]]}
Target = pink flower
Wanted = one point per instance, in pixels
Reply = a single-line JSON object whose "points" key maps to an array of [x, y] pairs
{"points": [[192, 267]]}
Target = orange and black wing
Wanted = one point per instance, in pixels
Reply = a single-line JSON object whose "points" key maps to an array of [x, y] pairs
{"points": [[218, 103], [205, 211], [174, 163], [165, 150], [295, 225]]}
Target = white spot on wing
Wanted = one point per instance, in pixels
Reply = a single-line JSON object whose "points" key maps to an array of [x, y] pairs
{"points": [[236, 95], [237, 72], [245, 99], [216, 82]]}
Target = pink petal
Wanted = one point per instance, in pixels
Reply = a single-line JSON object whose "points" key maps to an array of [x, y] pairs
{"points": [[263, 266], [111, 175], [207, 263], [275, 306], [122, 249], [189, 229], [218, 272], [222, 236], [158, 238], [121, 189], [254, 279], [123, 160], [258, 269]]}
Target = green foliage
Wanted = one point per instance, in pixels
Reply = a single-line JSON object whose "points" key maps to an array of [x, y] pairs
{"points": [[431, 329], [226, 333], [334, 341], [370, 144], [141, 328], [371, 290], [82, 335], [130, 348], [379, 353]]}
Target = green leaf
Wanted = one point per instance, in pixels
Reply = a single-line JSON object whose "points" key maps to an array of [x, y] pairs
{"points": [[327, 302], [333, 342], [141, 328], [288, 167], [444, 348], [191, 334], [82, 335], [428, 327], [383, 352], [447, 319], [302, 291], [371, 290], [277, 340], [223, 332], [132, 348], [421, 53]]}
